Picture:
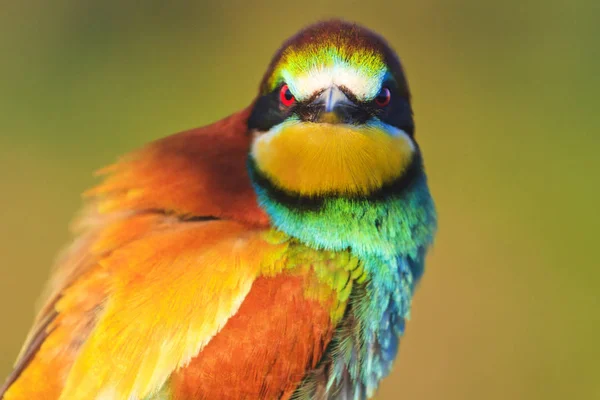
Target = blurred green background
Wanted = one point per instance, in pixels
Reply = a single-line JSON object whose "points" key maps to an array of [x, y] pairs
{"points": [[505, 98]]}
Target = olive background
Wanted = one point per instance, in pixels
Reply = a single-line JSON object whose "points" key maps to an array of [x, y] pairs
{"points": [[505, 98]]}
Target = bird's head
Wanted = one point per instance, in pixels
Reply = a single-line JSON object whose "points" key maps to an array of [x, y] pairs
{"points": [[333, 116]]}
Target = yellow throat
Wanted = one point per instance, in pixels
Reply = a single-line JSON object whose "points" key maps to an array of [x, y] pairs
{"points": [[313, 159]]}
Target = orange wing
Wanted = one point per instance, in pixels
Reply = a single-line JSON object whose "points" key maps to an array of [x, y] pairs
{"points": [[145, 310], [196, 174], [176, 287]]}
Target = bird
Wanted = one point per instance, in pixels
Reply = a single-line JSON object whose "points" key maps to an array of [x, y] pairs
{"points": [[270, 255]]}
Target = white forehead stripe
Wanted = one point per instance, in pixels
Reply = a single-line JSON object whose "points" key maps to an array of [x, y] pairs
{"points": [[361, 85]]}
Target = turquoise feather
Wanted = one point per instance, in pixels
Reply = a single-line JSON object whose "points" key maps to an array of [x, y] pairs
{"points": [[390, 237]]}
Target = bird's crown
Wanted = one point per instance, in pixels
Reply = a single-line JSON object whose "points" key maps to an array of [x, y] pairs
{"points": [[335, 52]]}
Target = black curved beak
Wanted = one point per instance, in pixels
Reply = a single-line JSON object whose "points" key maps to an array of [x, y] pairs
{"points": [[334, 107]]}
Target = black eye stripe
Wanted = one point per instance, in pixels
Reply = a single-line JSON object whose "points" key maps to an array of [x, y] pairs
{"points": [[268, 111], [398, 112]]}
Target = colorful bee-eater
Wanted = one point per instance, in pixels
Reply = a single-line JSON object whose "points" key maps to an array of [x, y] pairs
{"points": [[271, 255]]}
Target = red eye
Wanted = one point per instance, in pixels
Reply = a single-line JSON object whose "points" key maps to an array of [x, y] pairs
{"points": [[286, 97], [383, 97]]}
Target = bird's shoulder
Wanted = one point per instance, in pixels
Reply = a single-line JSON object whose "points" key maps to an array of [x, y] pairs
{"points": [[197, 173]]}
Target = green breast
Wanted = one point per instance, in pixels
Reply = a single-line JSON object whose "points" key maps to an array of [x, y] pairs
{"points": [[390, 236]]}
